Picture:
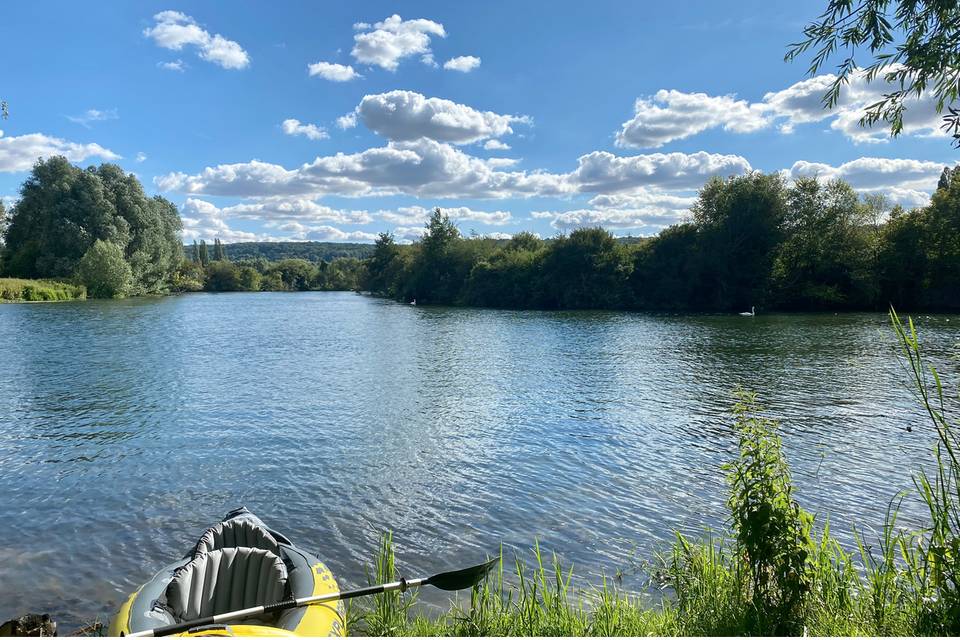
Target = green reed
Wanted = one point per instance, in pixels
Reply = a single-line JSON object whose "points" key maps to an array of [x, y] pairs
{"points": [[775, 573]]}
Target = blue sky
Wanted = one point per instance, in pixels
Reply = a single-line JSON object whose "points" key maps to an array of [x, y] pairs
{"points": [[335, 121]]}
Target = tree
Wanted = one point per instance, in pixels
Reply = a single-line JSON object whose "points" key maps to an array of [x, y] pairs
{"points": [[249, 279], [195, 252], [204, 256], [942, 219], [218, 253], [432, 278], [586, 270], [63, 210], [104, 271], [222, 276], [913, 44], [826, 259], [739, 222]]}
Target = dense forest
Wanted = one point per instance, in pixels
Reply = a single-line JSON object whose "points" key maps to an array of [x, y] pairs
{"points": [[311, 251], [752, 241]]}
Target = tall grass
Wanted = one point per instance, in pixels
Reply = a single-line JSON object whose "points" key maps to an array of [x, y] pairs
{"points": [[19, 290], [776, 572]]}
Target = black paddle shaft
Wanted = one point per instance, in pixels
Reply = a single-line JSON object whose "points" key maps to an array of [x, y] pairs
{"points": [[449, 581]]}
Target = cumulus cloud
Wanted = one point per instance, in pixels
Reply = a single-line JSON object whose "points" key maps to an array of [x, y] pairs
{"points": [[19, 153], [645, 221], [674, 115], [464, 64], [904, 181], [389, 41], [176, 65], [347, 121], [88, 117], [496, 145], [297, 218], [293, 127], [174, 30], [407, 115], [420, 215], [427, 168], [332, 71]]}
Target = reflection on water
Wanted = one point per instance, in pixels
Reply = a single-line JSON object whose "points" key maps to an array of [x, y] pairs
{"points": [[128, 426]]}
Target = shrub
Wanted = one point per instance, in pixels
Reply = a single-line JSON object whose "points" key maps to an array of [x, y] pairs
{"points": [[104, 271]]}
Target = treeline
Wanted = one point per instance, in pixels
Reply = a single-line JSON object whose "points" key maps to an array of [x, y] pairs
{"points": [[310, 251], [93, 227], [752, 241], [207, 269]]}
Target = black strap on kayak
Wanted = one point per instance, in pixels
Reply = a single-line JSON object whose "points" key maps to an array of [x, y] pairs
{"points": [[448, 581]]}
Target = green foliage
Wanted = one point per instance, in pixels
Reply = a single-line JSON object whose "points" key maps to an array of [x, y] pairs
{"points": [[913, 48], [772, 530], [64, 210], [19, 290], [105, 272], [310, 251]]}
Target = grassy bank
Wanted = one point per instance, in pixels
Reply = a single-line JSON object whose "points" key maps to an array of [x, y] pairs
{"points": [[20, 290], [775, 572]]}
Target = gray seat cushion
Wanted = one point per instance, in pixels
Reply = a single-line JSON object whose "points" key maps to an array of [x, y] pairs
{"points": [[225, 580], [238, 532]]}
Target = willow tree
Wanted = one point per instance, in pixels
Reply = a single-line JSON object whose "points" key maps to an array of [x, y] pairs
{"points": [[913, 45]]}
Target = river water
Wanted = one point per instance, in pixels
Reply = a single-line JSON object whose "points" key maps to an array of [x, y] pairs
{"points": [[127, 427]]}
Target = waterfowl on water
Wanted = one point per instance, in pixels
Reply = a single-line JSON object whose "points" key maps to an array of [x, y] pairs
{"points": [[752, 312]]}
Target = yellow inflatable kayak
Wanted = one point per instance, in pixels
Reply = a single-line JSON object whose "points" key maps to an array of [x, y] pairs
{"points": [[237, 564]]}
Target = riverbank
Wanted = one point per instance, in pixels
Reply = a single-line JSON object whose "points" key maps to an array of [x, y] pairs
{"points": [[22, 290], [775, 572]]}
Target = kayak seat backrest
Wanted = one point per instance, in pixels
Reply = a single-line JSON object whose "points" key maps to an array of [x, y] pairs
{"points": [[238, 532], [225, 580]]}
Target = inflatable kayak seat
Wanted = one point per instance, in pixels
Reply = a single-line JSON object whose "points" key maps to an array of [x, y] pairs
{"points": [[225, 580], [239, 532]]}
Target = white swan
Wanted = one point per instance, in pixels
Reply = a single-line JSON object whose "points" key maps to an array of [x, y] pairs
{"points": [[414, 303], [752, 312]]}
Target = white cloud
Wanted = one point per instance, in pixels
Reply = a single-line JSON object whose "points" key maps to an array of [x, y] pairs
{"points": [[141, 156], [19, 153], [174, 30], [427, 168], [496, 145], [603, 172], [464, 64], [392, 40], [906, 182], [408, 233], [429, 60], [176, 65], [347, 121], [646, 221], [674, 115], [406, 115], [94, 115], [293, 127], [298, 218], [332, 71], [420, 215]]}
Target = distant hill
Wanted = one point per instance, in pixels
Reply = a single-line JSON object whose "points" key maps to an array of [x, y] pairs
{"points": [[313, 251]]}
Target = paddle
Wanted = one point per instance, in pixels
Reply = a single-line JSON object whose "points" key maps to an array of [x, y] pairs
{"points": [[448, 581]]}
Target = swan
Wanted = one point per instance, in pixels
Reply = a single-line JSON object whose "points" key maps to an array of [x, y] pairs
{"points": [[414, 302], [750, 313]]}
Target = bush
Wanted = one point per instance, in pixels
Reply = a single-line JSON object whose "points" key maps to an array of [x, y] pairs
{"points": [[16, 289], [104, 271]]}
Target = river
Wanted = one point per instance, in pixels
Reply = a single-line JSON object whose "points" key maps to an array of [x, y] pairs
{"points": [[127, 427]]}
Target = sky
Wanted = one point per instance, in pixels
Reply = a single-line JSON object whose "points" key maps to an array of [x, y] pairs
{"points": [[338, 121]]}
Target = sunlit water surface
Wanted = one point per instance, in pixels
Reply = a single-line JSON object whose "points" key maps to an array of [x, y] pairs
{"points": [[126, 427]]}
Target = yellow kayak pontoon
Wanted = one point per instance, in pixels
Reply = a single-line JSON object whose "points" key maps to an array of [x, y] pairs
{"points": [[237, 564]]}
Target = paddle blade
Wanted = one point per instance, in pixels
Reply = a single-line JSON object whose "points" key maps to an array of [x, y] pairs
{"points": [[461, 579]]}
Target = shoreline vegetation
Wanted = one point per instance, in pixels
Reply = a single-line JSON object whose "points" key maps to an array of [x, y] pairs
{"points": [[751, 241], [776, 572]]}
